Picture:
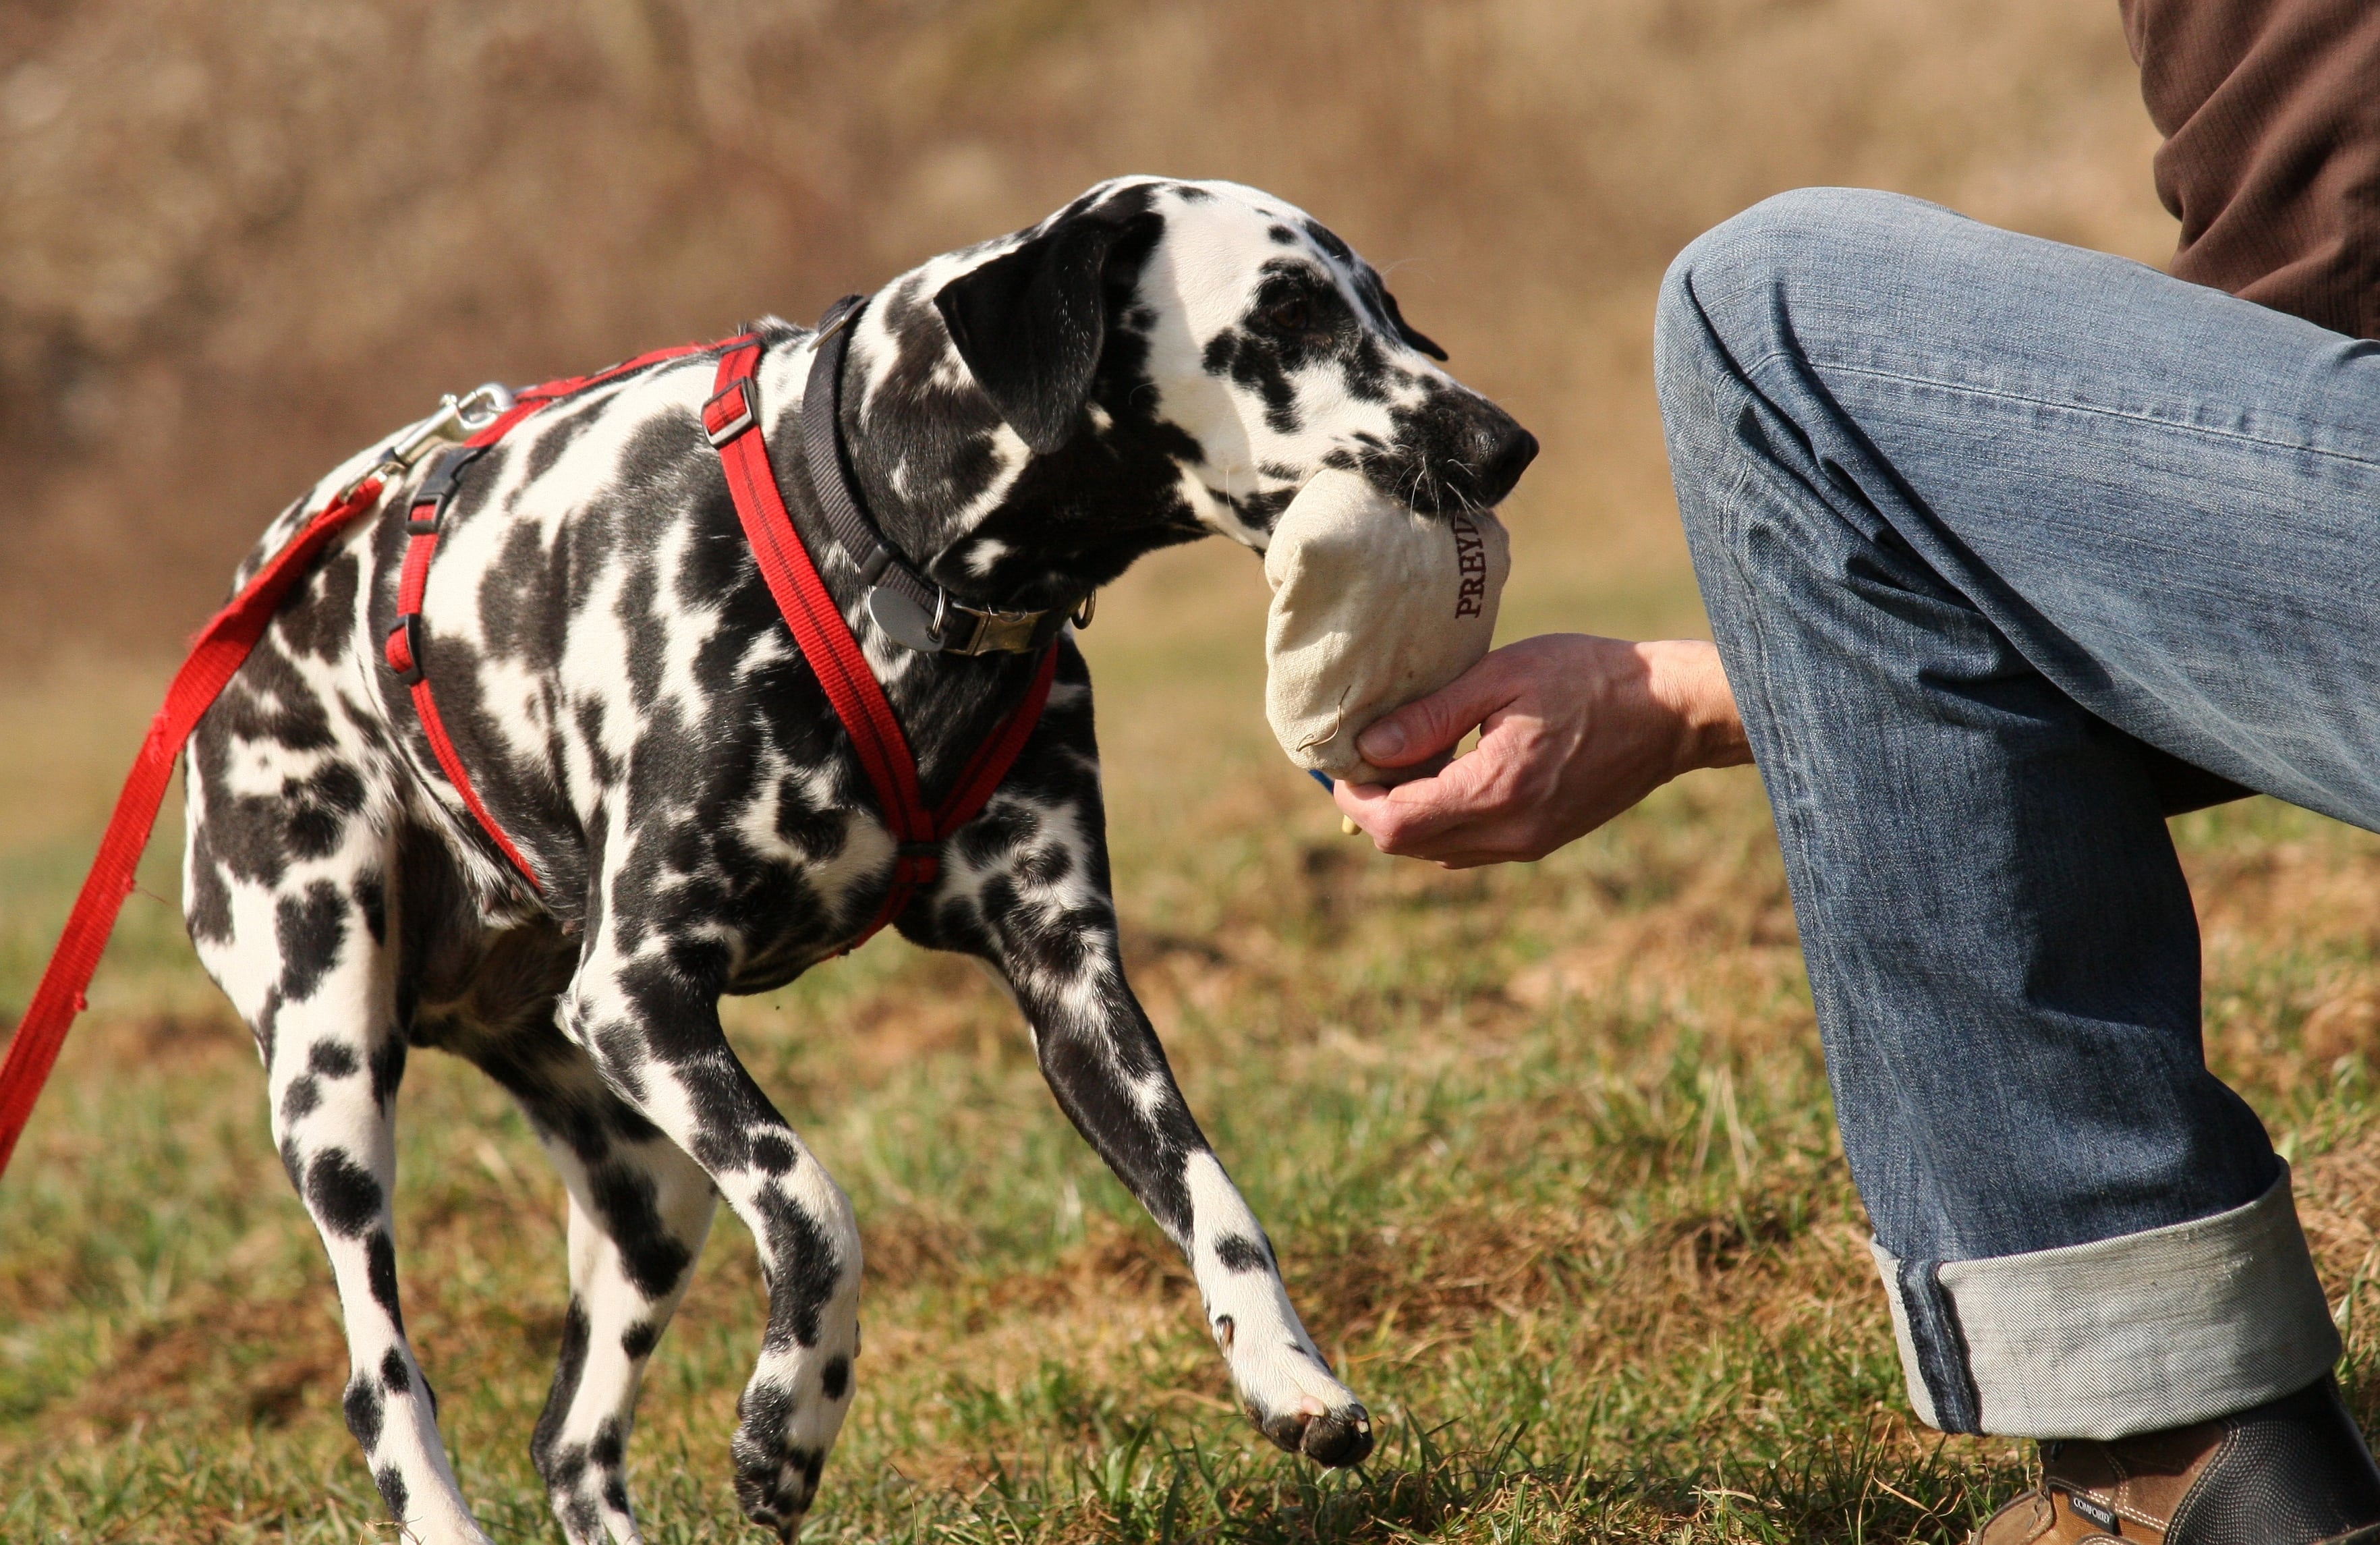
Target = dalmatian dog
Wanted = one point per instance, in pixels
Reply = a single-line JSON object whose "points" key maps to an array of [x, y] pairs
{"points": [[1157, 361]]}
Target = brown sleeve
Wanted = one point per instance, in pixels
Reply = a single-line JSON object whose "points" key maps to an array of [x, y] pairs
{"points": [[2271, 162]]}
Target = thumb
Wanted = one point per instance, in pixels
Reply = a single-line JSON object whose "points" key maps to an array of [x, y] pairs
{"points": [[1427, 726]]}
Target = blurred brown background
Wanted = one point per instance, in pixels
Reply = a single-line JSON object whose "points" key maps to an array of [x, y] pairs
{"points": [[239, 239]]}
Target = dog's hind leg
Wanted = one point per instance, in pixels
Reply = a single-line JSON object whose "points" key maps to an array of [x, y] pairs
{"points": [[1030, 893], [651, 1022], [306, 957], [639, 1211]]}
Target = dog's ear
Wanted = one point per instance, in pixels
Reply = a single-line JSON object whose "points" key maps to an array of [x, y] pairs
{"points": [[1029, 324], [1405, 330]]}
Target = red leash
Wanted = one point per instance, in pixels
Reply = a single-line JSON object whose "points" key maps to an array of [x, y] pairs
{"points": [[225, 643]]}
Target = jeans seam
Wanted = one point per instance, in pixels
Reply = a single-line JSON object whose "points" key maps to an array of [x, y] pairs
{"points": [[1961, 388]]}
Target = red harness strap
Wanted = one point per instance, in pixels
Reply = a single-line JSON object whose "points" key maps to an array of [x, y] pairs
{"points": [[228, 638], [732, 420], [405, 647]]}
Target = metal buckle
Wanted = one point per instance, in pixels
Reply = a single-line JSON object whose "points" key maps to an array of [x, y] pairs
{"points": [[1084, 610], [840, 312], [1010, 631], [722, 431]]}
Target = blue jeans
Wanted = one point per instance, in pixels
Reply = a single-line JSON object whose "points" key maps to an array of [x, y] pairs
{"points": [[2006, 546]]}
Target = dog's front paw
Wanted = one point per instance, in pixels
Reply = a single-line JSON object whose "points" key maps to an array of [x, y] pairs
{"points": [[775, 1479], [1337, 1438], [776, 1491], [1293, 1399]]}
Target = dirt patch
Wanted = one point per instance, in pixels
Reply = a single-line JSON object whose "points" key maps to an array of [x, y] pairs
{"points": [[266, 1359]]}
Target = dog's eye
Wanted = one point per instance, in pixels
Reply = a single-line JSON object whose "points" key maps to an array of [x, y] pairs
{"points": [[1289, 316]]}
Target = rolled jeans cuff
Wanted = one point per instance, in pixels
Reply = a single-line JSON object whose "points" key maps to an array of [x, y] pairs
{"points": [[2137, 1333]]}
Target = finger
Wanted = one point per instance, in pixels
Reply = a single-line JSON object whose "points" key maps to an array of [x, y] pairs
{"points": [[1428, 726], [1428, 817], [1361, 803]]}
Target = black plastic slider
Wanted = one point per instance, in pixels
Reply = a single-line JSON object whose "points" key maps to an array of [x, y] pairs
{"points": [[403, 650], [428, 506]]}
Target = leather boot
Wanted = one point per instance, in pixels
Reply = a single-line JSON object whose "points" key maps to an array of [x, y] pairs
{"points": [[2293, 1471]]}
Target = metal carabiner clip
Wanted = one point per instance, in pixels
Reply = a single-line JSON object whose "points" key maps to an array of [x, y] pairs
{"points": [[458, 420]]}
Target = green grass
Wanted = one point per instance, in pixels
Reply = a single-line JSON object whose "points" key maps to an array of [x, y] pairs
{"points": [[1546, 1151]]}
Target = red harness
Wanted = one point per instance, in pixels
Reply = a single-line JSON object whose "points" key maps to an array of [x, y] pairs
{"points": [[818, 627]]}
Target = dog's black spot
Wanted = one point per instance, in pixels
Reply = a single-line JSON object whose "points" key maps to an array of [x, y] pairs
{"points": [[392, 1494], [1045, 865], [330, 1059], [835, 1378], [639, 1339], [341, 1193], [650, 1257], [569, 1467], [387, 1068], [371, 900], [761, 1452], [206, 902], [773, 1154], [362, 1408], [317, 807], [589, 714], [298, 1099], [379, 1275], [516, 598], [318, 620], [1261, 509], [1239, 1253], [620, 1051], [1328, 241], [561, 431], [616, 1493], [1260, 364], [570, 1367], [1281, 236], [309, 930], [394, 1373], [608, 1446], [806, 1271]]}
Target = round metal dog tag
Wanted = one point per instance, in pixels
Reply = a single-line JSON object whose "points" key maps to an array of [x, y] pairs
{"points": [[903, 619]]}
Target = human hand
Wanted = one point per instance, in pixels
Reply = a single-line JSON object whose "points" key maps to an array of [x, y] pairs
{"points": [[1574, 729]]}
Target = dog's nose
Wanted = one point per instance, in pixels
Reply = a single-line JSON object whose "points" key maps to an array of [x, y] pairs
{"points": [[1505, 450]]}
